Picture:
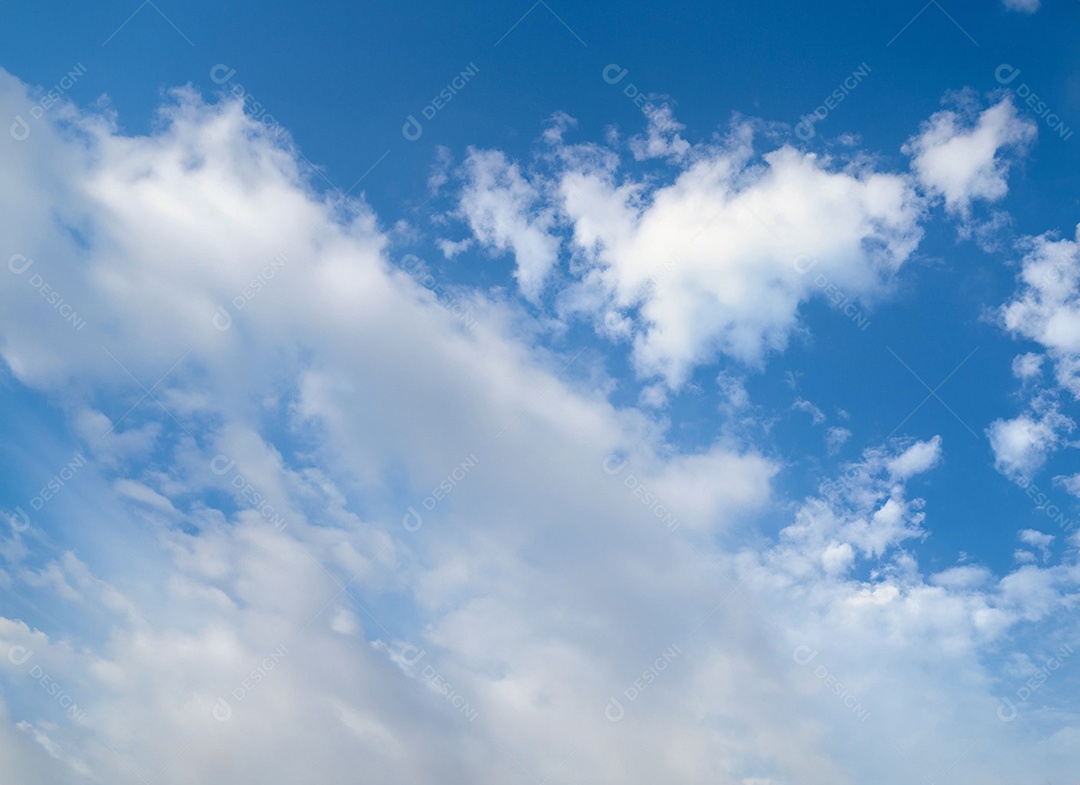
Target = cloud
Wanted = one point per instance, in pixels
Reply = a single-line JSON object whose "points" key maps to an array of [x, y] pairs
{"points": [[835, 438], [1021, 445], [916, 459], [866, 509], [1023, 6], [1046, 305], [958, 155], [1038, 540], [715, 255], [1027, 366], [1070, 483], [502, 211], [802, 405]]}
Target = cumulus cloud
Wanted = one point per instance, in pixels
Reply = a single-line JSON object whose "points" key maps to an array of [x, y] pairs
{"points": [[960, 156], [1038, 540], [1027, 366], [916, 459], [502, 211], [1046, 306], [1022, 444], [716, 255]]}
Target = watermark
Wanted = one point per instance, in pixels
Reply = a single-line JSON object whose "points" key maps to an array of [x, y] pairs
{"points": [[803, 264], [53, 486], [413, 130], [614, 73], [615, 711], [412, 520], [804, 655], [222, 465], [20, 655], [222, 320], [19, 264], [222, 710], [1039, 497], [411, 655], [804, 129], [417, 268], [1006, 75], [20, 128], [20, 521], [1007, 711], [613, 465], [223, 75]]}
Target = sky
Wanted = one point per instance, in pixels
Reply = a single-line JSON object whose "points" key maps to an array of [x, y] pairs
{"points": [[496, 393]]}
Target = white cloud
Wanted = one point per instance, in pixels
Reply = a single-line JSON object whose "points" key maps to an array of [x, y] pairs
{"points": [[962, 577], [916, 459], [1027, 366], [1021, 445], [1024, 6], [867, 508], [817, 417], [1046, 306], [502, 210], [959, 156], [1037, 539], [662, 138], [718, 258], [1070, 483], [835, 438], [710, 261]]}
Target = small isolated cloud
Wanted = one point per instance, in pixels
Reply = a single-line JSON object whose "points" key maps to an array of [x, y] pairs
{"points": [[1027, 366], [958, 154], [835, 438], [802, 405], [1023, 6], [1021, 445], [916, 459]]}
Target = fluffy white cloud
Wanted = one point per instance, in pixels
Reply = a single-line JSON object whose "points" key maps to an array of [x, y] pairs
{"points": [[1038, 540], [502, 211], [1046, 306], [1021, 445], [717, 258], [1027, 366], [959, 156], [916, 459], [719, 261]]}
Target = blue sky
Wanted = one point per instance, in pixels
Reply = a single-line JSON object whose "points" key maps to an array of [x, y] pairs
{"points": [[544, 393]]}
